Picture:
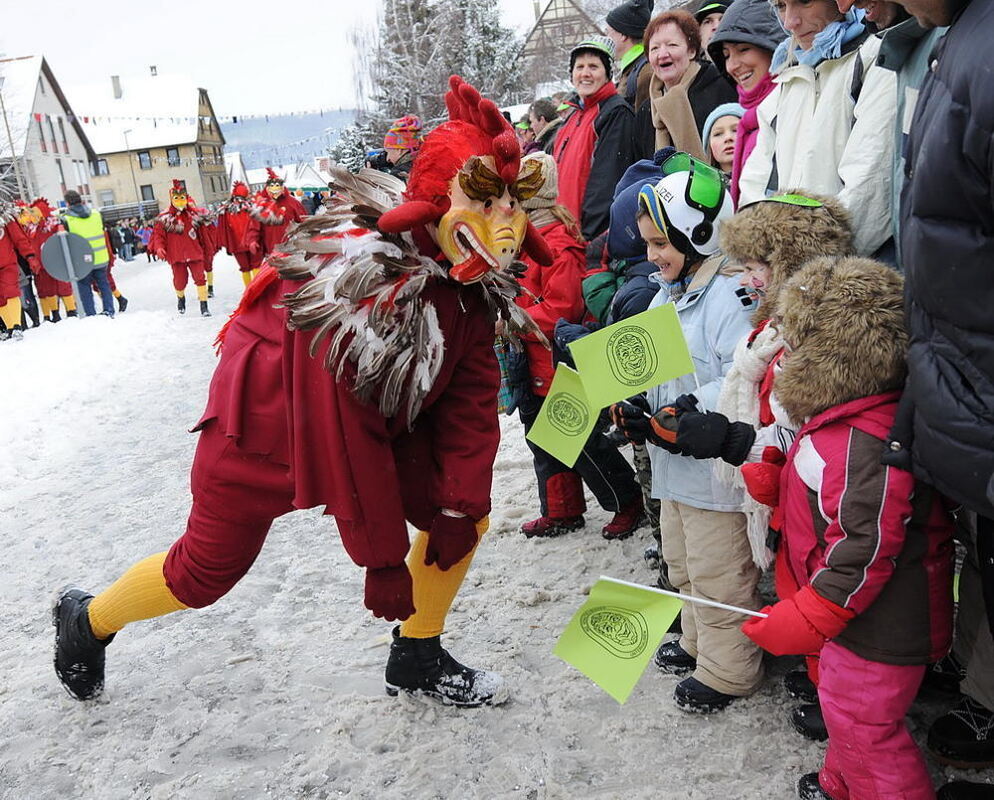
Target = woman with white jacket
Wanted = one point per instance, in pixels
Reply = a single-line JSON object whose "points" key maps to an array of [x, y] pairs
{"points": [[824, 127]]}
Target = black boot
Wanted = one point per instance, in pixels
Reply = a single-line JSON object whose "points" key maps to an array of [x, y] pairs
{"points": [[204, 310], [424, 666], [210, 291], [799, 685], [122, 303], [696, 698], [966, 790], [964, 737], [55, 316], [72, 313], [943, 677], [672, 658], [809, 722], [181, 305], [79, 655], [16, 333], [808, 788]]}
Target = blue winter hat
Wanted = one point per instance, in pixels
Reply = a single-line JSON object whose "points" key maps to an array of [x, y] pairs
{"points": [[624, 239], [724, 110]]}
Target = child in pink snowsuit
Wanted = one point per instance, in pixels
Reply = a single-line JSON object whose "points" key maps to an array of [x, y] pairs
{"points": [[869, 546]]}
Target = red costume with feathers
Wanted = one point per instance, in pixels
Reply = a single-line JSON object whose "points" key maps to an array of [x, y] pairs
{"points": [[271, 218], [233, 222], [184, 238]]}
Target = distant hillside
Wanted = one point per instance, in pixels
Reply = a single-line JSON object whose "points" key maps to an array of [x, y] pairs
{"points": [[279, 139]]}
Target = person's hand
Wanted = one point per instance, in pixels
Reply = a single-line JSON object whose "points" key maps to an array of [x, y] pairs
{"points": [[450, 540], [799, 625], [390, 592], [253, 247], [160, 254], [762, 479], [711, 435], [631, 417]]}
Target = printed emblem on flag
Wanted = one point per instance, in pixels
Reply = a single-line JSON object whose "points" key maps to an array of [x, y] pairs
{"points": [[631, 355], [620, 631]]}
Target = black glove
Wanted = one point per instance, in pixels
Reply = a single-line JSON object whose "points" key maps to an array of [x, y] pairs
{"points": [[711, 435], [631, 418]]}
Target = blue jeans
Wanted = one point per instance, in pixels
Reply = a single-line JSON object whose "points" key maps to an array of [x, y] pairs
{"points": [[86, 293], [127, 252]]}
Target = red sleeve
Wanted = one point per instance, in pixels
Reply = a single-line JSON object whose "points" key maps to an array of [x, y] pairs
{"points": [[22, 244], [868, 506], [157, 242], [207, 242], [222, 233], [561, 289], [253, 233]]}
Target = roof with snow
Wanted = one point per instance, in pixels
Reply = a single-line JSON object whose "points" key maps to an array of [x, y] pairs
{"points": [[154, 111], [295, 176], [20, 85]]}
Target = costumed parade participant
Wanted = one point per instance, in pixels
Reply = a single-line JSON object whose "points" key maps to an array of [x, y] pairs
{"points": [[14, 242], [272, 213], [357, 374], [182, 236], [39, 222], [232, 230]]}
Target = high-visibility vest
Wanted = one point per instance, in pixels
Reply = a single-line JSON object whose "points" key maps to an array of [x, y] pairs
{"points": [[91, 228]]}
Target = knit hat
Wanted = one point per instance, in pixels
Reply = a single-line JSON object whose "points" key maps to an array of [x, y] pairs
{"points": [[404, 134], [600, 46], [724, 110], [752, 22], [712, 7], [546, 196], [630, 19]]}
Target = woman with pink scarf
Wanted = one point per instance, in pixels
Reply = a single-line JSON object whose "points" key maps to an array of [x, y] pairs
{"points": [[742, 48]]}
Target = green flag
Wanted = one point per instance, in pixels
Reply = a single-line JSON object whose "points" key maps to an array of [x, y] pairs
{"points": [[566, 419], [613, 636], [633, 355]]}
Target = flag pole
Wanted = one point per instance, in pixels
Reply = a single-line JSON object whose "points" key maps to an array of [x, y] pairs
{"points": [[686, 597]]}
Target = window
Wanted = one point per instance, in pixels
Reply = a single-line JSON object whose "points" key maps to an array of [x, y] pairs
{"points": [[51, 132], [100, 167], [62, 175], [105, 197], [147, 193], [41, 86], [144, 159], [172, 156], [41, 136], [62, 133], [80, 174], [213, 187]]}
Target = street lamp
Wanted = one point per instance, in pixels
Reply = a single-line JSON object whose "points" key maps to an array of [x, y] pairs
{"points": [[10, 142], [134, 180]]}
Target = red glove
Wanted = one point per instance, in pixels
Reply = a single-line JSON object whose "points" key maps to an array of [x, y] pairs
{"points": [[253, 247], [762, 479], [450, 540], [390, 592], [798, 626], [160, 254]]}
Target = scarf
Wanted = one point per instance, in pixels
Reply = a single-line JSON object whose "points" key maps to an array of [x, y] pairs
{"points": [[748, 131], [673, 116], [827, 44]]}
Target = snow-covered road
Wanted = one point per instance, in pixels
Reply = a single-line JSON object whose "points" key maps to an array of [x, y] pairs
{"points": [[276, 691]]}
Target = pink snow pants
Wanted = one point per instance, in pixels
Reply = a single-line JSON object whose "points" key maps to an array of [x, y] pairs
{"points": [[871, 755]]}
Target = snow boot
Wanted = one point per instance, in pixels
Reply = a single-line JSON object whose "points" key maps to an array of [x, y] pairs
{"points": [[944, 676], [72, 313], [672, 658], [966, 790], [694, 697], [964, 737], [181, 305], [79, 655], [424, 666], [652, 557], [808, 788], [210, 292], [808, 721], [799, 685], [122, 303], [16, 333], [626, 521], [547, 527], [55, 316], [204, 310]]}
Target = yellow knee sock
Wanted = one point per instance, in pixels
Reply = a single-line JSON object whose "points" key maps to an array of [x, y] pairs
{"points": [[210, 277], [180, 293], [46, 304], [116, 292], [254, 272], [202, 293], [11, 312], [434, 589], [140, 593], [69, 302], [247, 277]]}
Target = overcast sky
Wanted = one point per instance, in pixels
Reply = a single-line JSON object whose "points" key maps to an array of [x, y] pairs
{"points": [[253, 56]]}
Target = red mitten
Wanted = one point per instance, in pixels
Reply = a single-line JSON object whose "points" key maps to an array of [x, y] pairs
{"points": [[390, 592], [762, 479], [450, 540], [789, 630], [253, 247]]}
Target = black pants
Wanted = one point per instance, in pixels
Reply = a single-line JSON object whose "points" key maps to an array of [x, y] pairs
{"points": [[601, 466]]}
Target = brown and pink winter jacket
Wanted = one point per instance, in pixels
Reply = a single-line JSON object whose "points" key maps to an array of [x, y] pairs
{"points": [[867, 537]]}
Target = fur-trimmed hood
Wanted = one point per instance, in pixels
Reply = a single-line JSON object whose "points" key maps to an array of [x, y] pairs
{"points": [[843, 322], [785, 236]]}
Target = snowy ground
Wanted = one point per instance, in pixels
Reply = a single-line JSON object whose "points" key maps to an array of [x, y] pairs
{"points": [[276, 691]]}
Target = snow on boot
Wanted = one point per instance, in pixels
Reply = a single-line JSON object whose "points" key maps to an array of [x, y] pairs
{"points": [[424, 666], [626, 521], [79, 655], [204, 310], [695, 697], [809, 722], [548, 527], [181, 305], [808, 788], [799, 685], [672, 658], [17, 333]]}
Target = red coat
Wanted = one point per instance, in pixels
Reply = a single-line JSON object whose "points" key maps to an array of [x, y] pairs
{"points": [[191, 241], [46, 285], [869, 538], [557, 291], [263, 237], [371, 472], [14, 241], [232, 231]]}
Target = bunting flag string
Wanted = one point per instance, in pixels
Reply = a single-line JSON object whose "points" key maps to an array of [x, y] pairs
{"points": [[232, 119]]}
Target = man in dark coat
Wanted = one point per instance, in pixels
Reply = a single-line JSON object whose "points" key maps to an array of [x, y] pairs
{"points": [[945, 430]]}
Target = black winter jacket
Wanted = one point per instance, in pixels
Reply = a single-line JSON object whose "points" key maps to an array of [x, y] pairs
{"points": [[613, 154], [946, 421]]}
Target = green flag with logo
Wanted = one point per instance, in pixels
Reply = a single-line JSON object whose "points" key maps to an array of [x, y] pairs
{"points": [[566, 418], [633, 355], [613, 636]]}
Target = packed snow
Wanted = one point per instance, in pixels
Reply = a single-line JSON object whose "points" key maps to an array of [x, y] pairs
{"points": [[277, 690]]}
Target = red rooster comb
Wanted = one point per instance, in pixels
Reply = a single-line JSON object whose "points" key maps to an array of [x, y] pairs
{"points": [[177, 188], [239, 189], [43, 206], [272, 177]]}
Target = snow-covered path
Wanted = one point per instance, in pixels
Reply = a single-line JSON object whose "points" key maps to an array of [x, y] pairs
{"points": [[276, 691]]}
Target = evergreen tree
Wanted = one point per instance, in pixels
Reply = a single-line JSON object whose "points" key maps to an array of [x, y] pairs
{"points": [[350, 149]]}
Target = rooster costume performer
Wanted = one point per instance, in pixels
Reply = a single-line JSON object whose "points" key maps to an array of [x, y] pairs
{"points": [[232, 230], [183, 236], [39, 224], [272, 213], [13, 242], [357, 374]]}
